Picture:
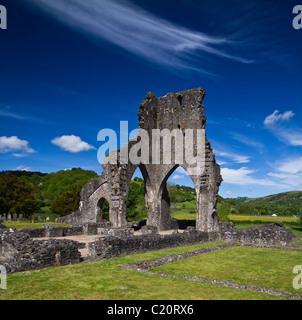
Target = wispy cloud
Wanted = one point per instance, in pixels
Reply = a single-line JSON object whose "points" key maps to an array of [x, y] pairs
{"points": [[278, 117], [234, 157], [8, 112], [139, 32], [72, 144], [247, 141], [243, 177], [288, 171], [279, 124]]}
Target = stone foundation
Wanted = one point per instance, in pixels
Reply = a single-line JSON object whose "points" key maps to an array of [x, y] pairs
{"points": [[19, 252], [109, 247]]}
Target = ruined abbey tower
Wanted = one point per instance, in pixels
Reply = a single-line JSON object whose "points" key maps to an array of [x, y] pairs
{"points": [[175, 111]]}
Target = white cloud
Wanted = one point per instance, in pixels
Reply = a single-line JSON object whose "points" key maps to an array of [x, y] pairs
{"points": [[139, 32], [14, 144], [229, 193], [242, 177], [72, 144], [177, 177], [289, 135], [23, 168], [289, 172], [291, 165], [278, 117]]}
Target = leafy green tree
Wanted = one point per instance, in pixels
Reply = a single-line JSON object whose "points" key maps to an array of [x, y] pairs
{"points": [[136, 209], [300, 215], [67, 201], [16, 195], [54, 184], [223, 210], [247, 208]]}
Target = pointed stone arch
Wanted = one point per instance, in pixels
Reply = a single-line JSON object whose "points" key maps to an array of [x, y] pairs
{"points": [[100, 210], [175, 111]]}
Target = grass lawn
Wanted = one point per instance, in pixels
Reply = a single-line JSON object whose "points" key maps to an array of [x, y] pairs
{"points": [[268, 219], [105, 280], [248, 221], [247, 265], [24, 225]]}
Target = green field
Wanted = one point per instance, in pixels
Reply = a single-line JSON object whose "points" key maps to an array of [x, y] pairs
{"points": [[18, 225], [267, 219], [105, 280], [247, 265], [242, 221]]}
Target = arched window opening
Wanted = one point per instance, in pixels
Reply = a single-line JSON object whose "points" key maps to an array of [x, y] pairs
{"points": [[182, 197], [135, 205], [103, 210]]}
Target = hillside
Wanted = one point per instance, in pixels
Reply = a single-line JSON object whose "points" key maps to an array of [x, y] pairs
{"points": [[47, 186], [290, 198], [284, 204], [67, 183]]}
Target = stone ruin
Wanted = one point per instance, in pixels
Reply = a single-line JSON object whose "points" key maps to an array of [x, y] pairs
{"points": [[22, 250], [180, 111]]}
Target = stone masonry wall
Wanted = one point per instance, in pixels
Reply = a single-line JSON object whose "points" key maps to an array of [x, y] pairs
{"points": [[18, 252], [103, 248]]}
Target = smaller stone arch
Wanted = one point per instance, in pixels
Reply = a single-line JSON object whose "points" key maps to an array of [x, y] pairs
{"points": [[101, 214]]}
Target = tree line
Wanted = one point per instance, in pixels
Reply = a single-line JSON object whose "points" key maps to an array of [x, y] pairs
{"points": [[25, 193]]}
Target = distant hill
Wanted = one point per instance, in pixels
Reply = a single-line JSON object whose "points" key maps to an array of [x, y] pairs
{"points": [[183, 198], [290, 198], [284, 204]]}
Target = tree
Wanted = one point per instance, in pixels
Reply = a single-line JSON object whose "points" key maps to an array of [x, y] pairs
{"points": [[223, 210], [247, 208], [67, 201], [136, 201], [300, 215], [54, 184], [16, 195]]}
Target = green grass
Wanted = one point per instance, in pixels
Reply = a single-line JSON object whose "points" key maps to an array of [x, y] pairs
{"points": [[242, 222], [105, 280], [267, 219], [247, 265], [24, 225], [297, 242]]}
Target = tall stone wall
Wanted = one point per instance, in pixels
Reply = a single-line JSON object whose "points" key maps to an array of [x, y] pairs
{"points": [[175, 113]]}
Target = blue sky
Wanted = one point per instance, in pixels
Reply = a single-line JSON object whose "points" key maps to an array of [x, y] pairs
{"points": [[72, 68]]}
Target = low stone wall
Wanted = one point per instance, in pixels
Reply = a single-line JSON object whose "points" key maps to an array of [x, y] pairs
{"points": [[52, 231], [109, 247], [18, 252], [272, 234]]}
